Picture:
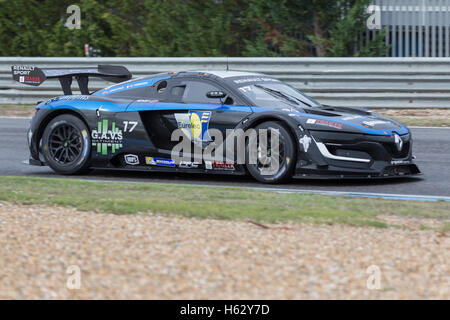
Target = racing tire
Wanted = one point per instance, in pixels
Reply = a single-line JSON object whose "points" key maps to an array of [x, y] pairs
{"points": [[66, 145], [287, 155]]}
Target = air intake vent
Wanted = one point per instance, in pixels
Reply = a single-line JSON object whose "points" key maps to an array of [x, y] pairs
{"points": [[321, 113]]}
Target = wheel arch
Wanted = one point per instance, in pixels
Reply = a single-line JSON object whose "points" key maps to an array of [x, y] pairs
{"points": [[288, 123], [291, 126], [52, 115]]}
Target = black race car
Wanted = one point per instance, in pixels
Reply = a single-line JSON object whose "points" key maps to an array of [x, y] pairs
{"points": [[130, 126]]}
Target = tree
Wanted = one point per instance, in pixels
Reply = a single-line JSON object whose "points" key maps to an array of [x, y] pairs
{"points": [[276, 28], [187, 28], [191, 28], [347, 30]]}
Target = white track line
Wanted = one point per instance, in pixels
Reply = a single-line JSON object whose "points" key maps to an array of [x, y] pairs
{"points": [[411, 197], [414, 127], [25, 118], [408, 197]]}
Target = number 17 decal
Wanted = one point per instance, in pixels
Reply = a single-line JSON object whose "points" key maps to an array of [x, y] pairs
{"points": [[129, 125]]}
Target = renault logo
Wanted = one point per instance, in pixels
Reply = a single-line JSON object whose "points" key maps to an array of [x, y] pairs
{"points": [[398, 142]]}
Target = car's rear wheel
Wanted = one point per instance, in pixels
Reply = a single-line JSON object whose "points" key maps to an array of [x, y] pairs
{"points": [[66, 145], [272, 165]]}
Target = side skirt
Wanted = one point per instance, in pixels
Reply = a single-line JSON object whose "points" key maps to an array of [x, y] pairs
{"points": [[173, 170]]}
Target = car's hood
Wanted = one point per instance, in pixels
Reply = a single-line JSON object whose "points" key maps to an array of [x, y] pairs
{"points": [[345, 119]]}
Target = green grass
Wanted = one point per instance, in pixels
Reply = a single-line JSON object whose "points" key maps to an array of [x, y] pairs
{"points": [[209, 202]]}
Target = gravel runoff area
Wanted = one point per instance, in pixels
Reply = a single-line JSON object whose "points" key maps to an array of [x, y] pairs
{"points": [[156, 257], [419, 117]]}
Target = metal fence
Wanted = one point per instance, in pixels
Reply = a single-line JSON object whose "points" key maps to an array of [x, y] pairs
{"points": [[414, 28], [367, 82]]}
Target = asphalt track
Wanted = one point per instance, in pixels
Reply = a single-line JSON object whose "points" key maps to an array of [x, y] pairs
{"points": [[431, 147]]}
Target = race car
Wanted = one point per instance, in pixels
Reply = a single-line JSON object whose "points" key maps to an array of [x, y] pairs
{"points": [[130, 126]]}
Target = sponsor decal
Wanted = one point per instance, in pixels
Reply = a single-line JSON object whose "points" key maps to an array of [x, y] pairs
{"points": [[373, 123], [305, 141], [188, 165], [116, 89], [27, 74], [22, 70], [208, 165], [74, 97], [194, 124], [133, 83], [396, 162], [220, 165], [105, 138], [29, 79], [129, 126], [159, 162], [246, 89], [351, 117], [137, 84], [292, 112], [325, 123], [146, 101], [255, 79], [131, 159]]}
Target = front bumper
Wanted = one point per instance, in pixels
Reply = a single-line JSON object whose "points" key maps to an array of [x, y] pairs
{"points": [[349, 155], [399, 171]]}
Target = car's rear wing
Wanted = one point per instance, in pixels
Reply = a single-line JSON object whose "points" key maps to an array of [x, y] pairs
{"points": [[34, 76]]}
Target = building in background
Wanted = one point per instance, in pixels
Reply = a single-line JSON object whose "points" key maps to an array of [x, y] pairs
{"points": [[414, 28]]}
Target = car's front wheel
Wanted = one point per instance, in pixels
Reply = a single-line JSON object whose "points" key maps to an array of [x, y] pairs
{"points": [[274, 157], [66, 145]]}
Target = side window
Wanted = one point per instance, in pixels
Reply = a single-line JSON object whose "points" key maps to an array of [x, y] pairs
{"points": [[228, 101], [177, 91], [195, 92]]}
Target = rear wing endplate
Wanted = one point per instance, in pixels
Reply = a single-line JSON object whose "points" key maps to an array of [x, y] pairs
{"points": [[34, 76]]}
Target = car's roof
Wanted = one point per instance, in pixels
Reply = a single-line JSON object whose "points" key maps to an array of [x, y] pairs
{"points": [[229, 73], [150, 80]]}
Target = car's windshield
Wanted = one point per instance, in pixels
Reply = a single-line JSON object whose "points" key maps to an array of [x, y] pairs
{"points": [[275, 95]]}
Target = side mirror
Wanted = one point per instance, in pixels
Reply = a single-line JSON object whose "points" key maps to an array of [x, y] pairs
{"points": [[216, 94]]}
